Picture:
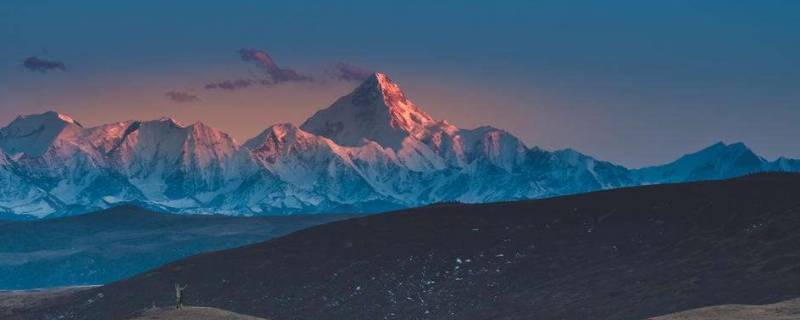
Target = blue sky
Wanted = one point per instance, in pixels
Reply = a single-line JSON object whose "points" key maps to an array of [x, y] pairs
{"points": [[634, 82]]}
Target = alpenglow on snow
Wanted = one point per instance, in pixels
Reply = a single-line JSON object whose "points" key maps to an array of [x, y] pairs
{"points": [[371, 150]]}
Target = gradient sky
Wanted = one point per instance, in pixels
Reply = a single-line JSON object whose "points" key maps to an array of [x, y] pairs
{"points": [[634, 82]]}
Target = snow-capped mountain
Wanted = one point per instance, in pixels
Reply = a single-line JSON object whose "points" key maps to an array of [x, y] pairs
{"points": [[371, 150], [786, 165], [378, 111], [319, 174], [53, 153], [20, 196], [178, 166], [718, 161], [375, 111]]}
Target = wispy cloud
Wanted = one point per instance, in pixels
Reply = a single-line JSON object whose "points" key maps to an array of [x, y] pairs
{"points": [[348, 72], [231, 84], [269, 73], [40, 65], [181, 96], [272, 74], [277, 74]]}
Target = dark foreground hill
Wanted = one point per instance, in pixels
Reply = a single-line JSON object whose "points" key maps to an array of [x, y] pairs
{"points": [[113, 244], [621, 254]]}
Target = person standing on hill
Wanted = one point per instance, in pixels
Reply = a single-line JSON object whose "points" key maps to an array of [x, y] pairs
{"points": [[179, 296]]}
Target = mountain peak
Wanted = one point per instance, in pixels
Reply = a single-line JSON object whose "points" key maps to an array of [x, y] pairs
{"points": [[201, 130], [717, 161], [738, 146], [382, 81], [377, 110], [171, 121], [276, 131], [46, 118], [201, 126], [380, 78], [380, 87], [63, 117], [34, 134], [723, 147]]}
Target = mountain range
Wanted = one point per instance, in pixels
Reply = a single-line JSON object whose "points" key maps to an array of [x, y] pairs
{"points": [[371, 150]]}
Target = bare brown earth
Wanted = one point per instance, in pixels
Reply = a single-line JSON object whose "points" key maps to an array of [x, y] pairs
{"points": [[621, 254], [786, 310], [14, 302], [193, 313]]}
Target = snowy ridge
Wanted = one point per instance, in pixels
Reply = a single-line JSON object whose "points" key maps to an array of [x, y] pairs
{"points": [[371, 150], [715, 162], [19, 195]]}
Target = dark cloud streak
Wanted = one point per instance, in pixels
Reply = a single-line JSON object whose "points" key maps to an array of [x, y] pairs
{"points": [[40, 65], [231, 85], [181, 96], [273, 74], [276, 74]]}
